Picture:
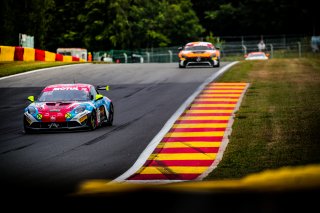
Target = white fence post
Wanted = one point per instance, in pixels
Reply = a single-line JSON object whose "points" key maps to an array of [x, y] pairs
{"points": [[245, 49], [125, 58], [271, 50], [170, 54], [299, 48], [140, 56], [148, 57]]}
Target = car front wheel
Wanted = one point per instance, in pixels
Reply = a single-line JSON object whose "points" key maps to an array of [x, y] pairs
{"points": [[216, 65], [92, 122], [181, 66]]}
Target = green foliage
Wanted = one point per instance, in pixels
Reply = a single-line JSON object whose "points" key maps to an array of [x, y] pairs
{"points": [[133, 24], [216, 41], [224, 10], [256, 17], [32, 17], [100, 24]]}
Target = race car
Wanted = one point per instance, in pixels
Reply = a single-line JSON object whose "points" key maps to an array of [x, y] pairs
{"points": [[199, 54], [68, 106], [257, 56]]}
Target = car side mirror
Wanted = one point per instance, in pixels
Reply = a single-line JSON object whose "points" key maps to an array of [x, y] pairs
{"points": [[107, 88], [180, 48], [98, 97], [31, 98]]}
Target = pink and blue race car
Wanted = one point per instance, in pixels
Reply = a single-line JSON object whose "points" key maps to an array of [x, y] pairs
{"points": [[68, 106]]}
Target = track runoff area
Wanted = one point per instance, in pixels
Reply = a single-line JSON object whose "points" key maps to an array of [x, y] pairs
{"points": [[192, 142]]}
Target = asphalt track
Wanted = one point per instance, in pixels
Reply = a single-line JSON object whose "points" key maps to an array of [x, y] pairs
{"points": [[145, 96]]}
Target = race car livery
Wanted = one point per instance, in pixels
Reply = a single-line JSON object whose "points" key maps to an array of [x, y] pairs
{"points": [[68, 106], [199, 54]]}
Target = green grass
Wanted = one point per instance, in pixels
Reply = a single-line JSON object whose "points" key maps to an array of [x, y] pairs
{"points": [[278, 123], [277, 54], [14, 67]]}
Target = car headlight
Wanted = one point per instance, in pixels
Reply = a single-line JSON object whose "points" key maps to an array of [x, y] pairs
{"points": [[184, 56], [32, 110], [213, 55], [79, 109]]}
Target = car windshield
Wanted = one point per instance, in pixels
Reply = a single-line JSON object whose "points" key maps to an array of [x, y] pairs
{"points": [[198, 48], [257, 55], [64, 95]]}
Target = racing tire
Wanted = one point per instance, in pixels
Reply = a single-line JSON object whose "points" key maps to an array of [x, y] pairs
{"points": [[218, 65], [111, 115], [181, 66], [92, 121], [27, 130]]}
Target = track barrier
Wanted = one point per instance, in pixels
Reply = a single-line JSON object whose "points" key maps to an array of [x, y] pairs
{"points": [[17, 53]]}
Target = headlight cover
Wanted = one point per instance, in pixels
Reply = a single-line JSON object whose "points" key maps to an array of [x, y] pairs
{"points": [[183, 56], [79, 109], [32, 110], [213, 55]]}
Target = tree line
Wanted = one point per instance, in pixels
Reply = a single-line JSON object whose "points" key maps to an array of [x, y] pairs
{"points": [[133, 24]]}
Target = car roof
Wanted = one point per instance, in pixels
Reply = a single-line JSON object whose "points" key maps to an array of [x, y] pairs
{"points": [[199, 43], [78, 86]]}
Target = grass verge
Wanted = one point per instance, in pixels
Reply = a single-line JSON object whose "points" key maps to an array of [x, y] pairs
{"points": [[14, 67], [279, 119]]}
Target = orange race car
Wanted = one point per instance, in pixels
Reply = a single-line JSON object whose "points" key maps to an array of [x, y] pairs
{"points": [[199, 54]]}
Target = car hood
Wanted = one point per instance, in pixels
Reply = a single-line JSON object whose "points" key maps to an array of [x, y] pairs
{"points": [[196, 53], [55, 107]]}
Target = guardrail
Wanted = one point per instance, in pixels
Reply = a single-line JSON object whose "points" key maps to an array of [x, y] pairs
{"points": [[230, 50], [276, 47]]}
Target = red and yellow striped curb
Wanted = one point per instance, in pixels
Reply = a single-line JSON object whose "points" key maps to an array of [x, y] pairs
{"points": [[192, 144]]}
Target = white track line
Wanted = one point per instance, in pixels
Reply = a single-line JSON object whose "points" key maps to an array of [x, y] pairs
{"points": [[156, 140], [38, 70]]}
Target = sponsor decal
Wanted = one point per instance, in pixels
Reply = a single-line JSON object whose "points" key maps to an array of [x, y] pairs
{"points": [[39, 116], [53, 118], [83, 118], [53, 125], [54, 110], [28, 120], [67, 115], [65, 88], [40, 105], [98, 115]]}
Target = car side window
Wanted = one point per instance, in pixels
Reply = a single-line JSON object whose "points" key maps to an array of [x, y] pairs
{"points": [[93, 93]]}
